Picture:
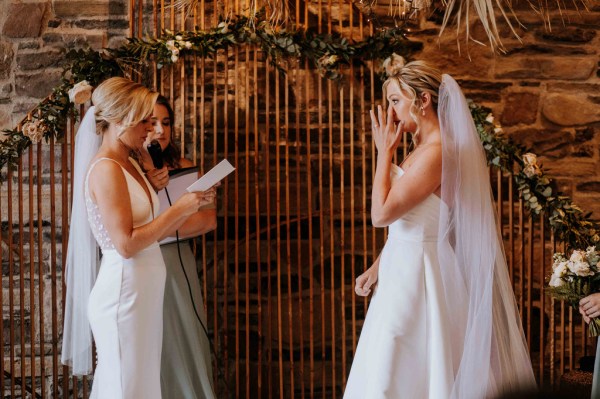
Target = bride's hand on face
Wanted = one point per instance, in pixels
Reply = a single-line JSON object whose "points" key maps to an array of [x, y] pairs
{"points": [[386, 133], [366, 281]]}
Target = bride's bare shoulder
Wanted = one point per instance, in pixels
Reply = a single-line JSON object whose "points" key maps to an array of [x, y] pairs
{"points": [[105, 171]]}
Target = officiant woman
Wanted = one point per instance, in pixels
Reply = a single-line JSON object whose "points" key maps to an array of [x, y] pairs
{"points": [[186, 370]]}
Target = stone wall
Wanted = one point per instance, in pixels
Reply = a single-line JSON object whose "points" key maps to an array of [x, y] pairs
{"points": [[34, 37], [545, 91]]}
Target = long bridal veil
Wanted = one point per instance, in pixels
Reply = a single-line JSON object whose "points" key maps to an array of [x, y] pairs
{"points": [[490, 351], [82, 256]]}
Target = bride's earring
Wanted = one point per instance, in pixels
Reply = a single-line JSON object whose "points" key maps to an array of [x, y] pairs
{"points": [[423, 111]]}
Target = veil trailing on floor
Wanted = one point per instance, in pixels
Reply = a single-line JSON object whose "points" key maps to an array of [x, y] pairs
{"points": [[490, 352], [82, 256]]}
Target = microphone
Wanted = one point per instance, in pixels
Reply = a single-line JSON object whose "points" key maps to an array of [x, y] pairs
{"points": [[156, 154]]}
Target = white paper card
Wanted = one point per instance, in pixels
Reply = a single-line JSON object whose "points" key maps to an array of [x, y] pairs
{"points": [[176, 188], [212, 177]]}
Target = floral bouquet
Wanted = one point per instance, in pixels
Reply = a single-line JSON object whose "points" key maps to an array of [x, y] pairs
{"points": [[575, 278]]}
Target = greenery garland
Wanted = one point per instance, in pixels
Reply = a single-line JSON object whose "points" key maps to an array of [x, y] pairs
{"points": [[570, 224], [325, 52]]}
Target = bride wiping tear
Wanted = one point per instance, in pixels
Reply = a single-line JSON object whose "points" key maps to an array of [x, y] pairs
{"points": [[443, 321]]}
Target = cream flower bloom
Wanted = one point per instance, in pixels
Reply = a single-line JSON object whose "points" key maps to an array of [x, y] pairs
{"points": [[530, 159], [34, 130], [556, 281], [580, 268], [531, 167], [577, 256], [81, 92], [561, 269]]}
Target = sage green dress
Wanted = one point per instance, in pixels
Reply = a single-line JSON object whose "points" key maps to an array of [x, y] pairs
{"points": [[186, 369]]}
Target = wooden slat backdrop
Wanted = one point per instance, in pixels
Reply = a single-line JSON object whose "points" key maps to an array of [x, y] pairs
{"points": [[277, 275]]}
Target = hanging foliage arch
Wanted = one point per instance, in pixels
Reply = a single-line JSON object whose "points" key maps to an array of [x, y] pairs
{"points": [[328, 54]]}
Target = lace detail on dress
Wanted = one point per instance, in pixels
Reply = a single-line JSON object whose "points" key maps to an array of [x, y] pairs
{"points": [[141, 206], [94, 218]]}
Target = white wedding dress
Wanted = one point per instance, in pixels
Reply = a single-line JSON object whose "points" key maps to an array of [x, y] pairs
{"points": [[405, 350], [125, 306]]}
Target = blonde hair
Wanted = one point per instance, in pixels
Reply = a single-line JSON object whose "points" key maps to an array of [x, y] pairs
{"points": [[414, 79], [120, 100]]}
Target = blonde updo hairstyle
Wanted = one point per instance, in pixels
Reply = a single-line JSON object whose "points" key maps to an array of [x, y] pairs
{"points": [[414, 79], [122, 101]]}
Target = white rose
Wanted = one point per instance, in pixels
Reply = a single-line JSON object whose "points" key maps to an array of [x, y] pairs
{"points": [[188, 44], [489, 118], [531, 167], [555, 281], [581, 269], [577, 256], [530, 159], [328, 60], [81, 92], [561, 269], [179, 37], [34, 130], [174, 58], [170, 44], [530, 171]]}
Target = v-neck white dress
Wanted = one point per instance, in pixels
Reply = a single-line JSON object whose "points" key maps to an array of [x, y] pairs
{"points": [[125, 305]]}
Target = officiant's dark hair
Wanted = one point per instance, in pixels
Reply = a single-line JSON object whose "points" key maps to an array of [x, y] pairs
{"points": [[171, 154]]}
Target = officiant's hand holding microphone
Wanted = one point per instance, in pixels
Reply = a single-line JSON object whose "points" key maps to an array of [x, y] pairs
{"points": [[159, 176]]}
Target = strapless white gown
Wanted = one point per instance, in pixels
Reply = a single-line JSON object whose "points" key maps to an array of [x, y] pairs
{"points": [[405, 351], [125, 306]]}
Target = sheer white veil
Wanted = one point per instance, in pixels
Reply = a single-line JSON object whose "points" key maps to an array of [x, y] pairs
{"points": [[82, 256], [489, 348]]}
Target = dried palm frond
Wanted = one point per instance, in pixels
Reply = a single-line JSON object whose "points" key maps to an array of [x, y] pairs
{"points": [[489, 13], [486, 11], [187, 5], [276, 11]]}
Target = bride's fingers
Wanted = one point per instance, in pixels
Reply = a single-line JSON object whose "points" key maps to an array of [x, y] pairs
{"points": [[380, 116], [359, 291], [390, 118], [399, 130], [374, 124]]}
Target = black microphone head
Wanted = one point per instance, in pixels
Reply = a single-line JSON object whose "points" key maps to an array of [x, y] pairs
{"points": [[156, 154]]}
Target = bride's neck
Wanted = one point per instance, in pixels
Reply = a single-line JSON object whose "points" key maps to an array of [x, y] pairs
{"points": [[429, 130], [117, 149]]}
